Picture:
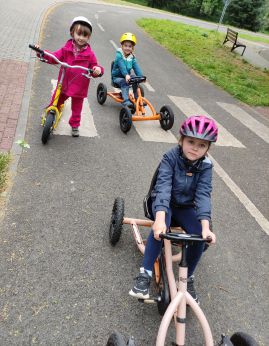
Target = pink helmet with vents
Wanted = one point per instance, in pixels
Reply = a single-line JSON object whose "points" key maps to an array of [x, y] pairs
{"points": [[199, 126]]}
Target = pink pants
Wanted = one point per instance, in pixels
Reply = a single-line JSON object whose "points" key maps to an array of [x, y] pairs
{"points": [[76, 107]]}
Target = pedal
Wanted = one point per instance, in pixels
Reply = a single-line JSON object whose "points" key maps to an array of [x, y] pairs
{"points": [[152, 300]]}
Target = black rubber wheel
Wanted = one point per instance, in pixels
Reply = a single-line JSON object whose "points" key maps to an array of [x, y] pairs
{"points": [[47, 127], [243, 339], [142, 90], [163, 288], [116, 339], [116, 221], [167, 118], [101, 93], [125, 119]]}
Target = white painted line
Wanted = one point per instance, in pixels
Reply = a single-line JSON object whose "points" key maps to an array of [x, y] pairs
{"points": [[113, 44], [87, 127], [101, 28], [151, 131], [250, 207], [259, 129], [148, 86], [189, 107], [96, 16]]}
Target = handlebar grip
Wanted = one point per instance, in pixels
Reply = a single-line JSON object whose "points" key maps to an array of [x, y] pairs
{"points": [[36, 49]]}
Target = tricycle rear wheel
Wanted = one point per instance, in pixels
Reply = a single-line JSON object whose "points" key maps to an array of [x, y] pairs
{"points": [[116, 221], [167, 118], [243, 339]]}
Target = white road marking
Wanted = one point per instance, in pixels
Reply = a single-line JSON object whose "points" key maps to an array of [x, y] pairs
{"points": [[189, 107], [113, 44], [148, 86], [87, 127], [255, 126], [96, 16], [101, 28], [250, 207], [151, 131]]}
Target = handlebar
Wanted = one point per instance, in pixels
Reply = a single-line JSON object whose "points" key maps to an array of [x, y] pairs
{"points": [[137, 80], [64, 64], [182, 237]]}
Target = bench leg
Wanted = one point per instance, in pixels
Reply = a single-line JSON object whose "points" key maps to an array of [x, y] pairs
{"points": [[243, 51]]}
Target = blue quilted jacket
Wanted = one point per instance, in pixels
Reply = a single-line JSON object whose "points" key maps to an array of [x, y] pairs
{"points": [[180, 183], [123, 66]]}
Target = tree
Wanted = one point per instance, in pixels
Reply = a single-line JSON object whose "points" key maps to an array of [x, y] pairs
{"points": [[247, 14]]}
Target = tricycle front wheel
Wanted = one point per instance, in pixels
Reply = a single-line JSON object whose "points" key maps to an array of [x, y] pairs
{"points": [[125, 119], [101, 93], [48, 127], [116, 339], [243, 339], [116, 221]]}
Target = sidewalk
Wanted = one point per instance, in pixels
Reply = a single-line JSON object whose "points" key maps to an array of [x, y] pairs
{"points": [[15, 65]]}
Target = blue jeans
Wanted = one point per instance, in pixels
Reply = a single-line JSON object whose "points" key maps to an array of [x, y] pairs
{"points": [[125, 88], [185, 218]]}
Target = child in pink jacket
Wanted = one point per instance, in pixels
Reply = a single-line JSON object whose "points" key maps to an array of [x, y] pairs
{"points": [[76, 51]]}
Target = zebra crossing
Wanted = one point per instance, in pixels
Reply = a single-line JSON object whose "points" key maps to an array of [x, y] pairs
{"points": [[151, 131]]}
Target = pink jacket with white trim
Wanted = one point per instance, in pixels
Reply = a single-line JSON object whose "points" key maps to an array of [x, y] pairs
{"points": [[74, 83]]}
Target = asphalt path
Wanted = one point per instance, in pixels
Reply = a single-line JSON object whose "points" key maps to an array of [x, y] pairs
{"points": [[62, 283]]}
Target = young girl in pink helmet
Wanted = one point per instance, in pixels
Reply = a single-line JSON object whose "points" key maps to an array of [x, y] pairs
{"points": [[182, 193], [76, 51]]}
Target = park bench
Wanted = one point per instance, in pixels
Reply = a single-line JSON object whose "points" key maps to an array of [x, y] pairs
{"points": [[232, 37]]}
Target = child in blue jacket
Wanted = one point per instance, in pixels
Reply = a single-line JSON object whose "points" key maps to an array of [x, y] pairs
{"points": [[183, 193], [125, 61]]}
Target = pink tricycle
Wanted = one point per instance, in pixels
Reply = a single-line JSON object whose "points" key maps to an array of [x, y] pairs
{"points": [[173, 297]]}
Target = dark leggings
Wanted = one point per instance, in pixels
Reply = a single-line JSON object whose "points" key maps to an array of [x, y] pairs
{"points": [[187, 219]]}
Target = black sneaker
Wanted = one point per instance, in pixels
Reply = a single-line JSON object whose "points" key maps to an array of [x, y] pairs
{"points": [[191, 289], [141, 286], [75, 132]]}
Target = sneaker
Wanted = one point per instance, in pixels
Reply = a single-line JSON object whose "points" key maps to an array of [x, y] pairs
{"points": [[141, 286], [191, 289], [75, 132]]}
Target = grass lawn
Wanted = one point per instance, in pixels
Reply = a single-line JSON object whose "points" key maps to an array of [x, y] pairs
{"points": [[4, 160], [203, 51], [253, 38]]}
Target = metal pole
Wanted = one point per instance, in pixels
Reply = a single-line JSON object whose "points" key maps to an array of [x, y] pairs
{"points": [[226, 4]]}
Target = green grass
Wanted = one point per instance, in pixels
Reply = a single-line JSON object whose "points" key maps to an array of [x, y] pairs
{"points": [[4, 160], [254, 38], [203, 51]]}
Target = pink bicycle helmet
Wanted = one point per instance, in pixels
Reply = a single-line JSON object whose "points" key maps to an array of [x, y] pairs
{"points": [[199, 126]]}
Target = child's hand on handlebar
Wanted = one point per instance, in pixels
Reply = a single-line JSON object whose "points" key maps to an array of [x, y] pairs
{"points": [[96, 71], [127, 78], [207, 234]]}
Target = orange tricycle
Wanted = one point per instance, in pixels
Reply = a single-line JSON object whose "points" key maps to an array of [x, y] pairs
{"points": [[137, 111]]}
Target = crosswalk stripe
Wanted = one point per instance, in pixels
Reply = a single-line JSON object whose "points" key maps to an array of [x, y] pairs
{"points": [[189, 107], [250, 207], [255, 126], [151, 131], [87, 127], [113, 44]]}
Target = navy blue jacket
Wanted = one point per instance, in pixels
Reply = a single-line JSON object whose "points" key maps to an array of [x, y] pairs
{"points": [[181, 184]]}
